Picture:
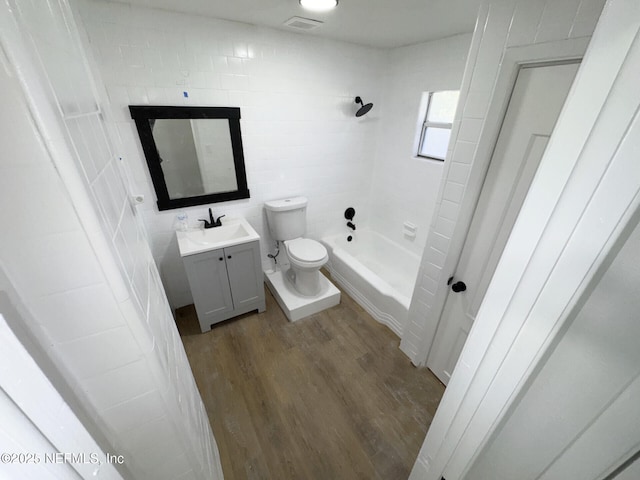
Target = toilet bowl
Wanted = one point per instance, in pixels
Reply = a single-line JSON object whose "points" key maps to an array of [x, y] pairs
{"points": [[287, 223], [306, 257]]}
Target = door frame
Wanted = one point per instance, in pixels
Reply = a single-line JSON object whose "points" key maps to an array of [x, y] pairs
{"points": [[514, 59], [576, 216], [515, 66]]}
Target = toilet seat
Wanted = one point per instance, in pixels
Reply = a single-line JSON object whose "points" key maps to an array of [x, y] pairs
{"points": [[306, 252]]}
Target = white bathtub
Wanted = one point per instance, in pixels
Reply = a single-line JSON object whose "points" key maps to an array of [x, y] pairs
{"points": [[377, 273]]}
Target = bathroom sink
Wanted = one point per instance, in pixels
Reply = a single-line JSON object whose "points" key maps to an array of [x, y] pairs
{"points": [[232, 232], [213, 236]]}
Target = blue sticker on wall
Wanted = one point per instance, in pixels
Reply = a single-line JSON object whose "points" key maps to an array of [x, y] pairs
{"points": [[185, 94]]}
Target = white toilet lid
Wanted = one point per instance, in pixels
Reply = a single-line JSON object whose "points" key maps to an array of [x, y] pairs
{"points": [[306, 250]]}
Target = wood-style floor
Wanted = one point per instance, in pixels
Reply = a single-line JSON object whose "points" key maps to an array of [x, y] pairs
{"points": [[330, 397]]}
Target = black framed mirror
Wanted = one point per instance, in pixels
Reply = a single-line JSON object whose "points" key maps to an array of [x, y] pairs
{"points": [[194, 154]]}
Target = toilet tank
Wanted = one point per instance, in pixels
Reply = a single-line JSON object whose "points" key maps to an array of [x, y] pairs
{"points": [[287, 218]]}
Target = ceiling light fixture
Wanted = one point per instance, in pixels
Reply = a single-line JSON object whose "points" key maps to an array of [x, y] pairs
{"points": [[319, 5]]}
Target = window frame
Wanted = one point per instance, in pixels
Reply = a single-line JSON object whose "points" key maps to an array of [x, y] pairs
{"points": [[426, 124]]}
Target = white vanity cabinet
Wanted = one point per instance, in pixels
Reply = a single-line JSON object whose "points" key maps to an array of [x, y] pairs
{"points": [[225, 282]]}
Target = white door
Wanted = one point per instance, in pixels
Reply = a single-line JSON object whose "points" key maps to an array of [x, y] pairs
{"points": [[207, 275], [536, 101], [579, 415], [245, 275]]}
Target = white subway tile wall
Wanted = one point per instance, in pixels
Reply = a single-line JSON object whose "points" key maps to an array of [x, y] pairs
{"points": [[404, 186], [296, 94], [502, 24], [108, 329]]}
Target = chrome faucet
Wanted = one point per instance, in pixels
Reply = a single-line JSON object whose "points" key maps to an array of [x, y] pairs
{"points": [[211, 222]]}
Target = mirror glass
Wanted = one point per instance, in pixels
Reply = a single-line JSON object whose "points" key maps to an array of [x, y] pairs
{"points": [[194, 154]]}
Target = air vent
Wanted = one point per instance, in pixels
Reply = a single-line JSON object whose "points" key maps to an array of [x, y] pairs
{"points": [[300, 23]]}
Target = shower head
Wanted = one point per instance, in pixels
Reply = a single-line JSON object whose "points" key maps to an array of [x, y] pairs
{"points": [[364, 109]]}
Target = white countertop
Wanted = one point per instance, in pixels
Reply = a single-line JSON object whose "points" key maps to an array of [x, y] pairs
{"points": [[234, 231]]}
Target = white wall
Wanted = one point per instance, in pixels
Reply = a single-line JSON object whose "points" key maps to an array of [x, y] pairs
{"points": [[405, 186], [75, 254], [507, 23], [296, 93]]}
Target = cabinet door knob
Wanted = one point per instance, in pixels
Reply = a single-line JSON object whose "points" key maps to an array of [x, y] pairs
{"points": [[229, 256], [221, 258]]}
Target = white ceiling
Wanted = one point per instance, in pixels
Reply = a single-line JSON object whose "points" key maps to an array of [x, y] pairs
{"points": [[378, 23]]}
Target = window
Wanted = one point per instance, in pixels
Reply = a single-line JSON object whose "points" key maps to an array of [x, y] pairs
{"points": [[436, 128]]}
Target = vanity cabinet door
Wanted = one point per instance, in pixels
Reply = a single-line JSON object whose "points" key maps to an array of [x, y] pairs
{"points": [[207, 274], [245, 276]]}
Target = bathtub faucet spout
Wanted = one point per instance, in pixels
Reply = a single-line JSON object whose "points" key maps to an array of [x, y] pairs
{"points": [[351, 226]]}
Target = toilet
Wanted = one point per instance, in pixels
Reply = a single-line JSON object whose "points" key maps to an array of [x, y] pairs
{"points": [[287, 220]]}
